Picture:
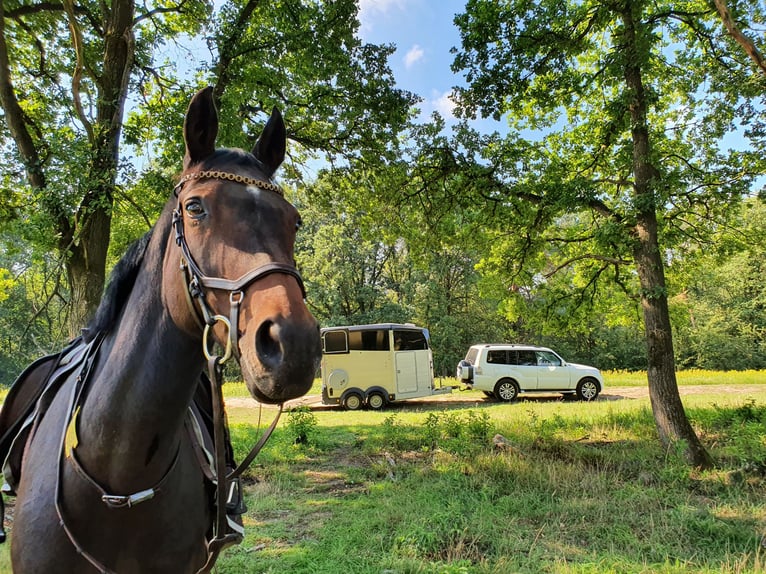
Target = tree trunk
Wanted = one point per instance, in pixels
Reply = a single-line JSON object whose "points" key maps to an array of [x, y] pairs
{"points": [[86, 265], [86, 268], [84, 239], [669, 414]]}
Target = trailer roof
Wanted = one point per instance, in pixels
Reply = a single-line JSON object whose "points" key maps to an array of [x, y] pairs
{"points": [[373, 326]]}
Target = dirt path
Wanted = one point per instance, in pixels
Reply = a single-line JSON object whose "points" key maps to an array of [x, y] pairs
{"points": [[460, 398]]}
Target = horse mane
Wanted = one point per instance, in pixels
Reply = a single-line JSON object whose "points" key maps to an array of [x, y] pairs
{"points": [[121, 282]]}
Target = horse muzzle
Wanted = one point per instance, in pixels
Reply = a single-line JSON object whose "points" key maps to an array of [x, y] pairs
{"points": [[280, 361]]}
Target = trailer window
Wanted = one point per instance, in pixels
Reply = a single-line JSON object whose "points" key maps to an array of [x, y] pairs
{"points": [[335, 342], [410, 341], [368, 340]]}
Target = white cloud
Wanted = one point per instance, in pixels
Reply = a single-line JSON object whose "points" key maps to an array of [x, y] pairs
{"points": [[370, 9], [444, 104], [414, 55]]}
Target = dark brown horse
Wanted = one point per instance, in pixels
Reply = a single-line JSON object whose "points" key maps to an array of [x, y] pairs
{"points": [[110, 479]]}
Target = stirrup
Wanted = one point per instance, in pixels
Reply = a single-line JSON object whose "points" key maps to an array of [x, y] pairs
{"points": [[235, 504]]}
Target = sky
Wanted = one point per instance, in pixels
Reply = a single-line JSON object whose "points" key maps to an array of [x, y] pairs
{"points": [[423, 32]]}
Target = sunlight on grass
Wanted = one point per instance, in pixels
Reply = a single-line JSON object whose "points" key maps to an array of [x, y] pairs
{"points": [[571, 488]]}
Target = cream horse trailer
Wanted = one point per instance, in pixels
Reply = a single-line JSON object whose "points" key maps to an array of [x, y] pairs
{"points": [[374, 365]]}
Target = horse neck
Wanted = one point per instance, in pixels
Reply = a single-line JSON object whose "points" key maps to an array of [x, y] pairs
{"points": [[132, 419]]}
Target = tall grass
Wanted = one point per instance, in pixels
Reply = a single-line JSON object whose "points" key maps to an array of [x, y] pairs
{"points": [[688, 377]]}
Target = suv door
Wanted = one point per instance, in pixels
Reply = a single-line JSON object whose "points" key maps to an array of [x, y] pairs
{"points": [[526, 369], [551, 372], [493, 367]]}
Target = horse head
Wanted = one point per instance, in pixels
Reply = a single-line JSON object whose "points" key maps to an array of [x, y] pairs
{"points": [[236, 234]]}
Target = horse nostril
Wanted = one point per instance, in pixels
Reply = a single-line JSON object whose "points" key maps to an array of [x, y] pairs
{"points": [[267, 344]]}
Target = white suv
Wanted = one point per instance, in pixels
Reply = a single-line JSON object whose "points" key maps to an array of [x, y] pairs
{"points": [[504, 371]]}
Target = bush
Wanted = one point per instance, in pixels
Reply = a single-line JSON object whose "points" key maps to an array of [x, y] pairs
{"points": [[301, 425]]}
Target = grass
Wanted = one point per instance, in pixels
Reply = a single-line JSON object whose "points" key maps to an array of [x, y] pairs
{"points": [[574, 488], [688, 377], [536, 486]]}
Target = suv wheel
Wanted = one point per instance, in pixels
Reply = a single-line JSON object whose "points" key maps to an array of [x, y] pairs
{"points": [[506, 390], [587, 389]]}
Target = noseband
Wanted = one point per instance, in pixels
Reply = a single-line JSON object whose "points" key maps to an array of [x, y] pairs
{"points": [[197, 281]]}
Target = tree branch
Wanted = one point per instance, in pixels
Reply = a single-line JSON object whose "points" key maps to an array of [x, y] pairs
{"points": [[77, 44], [746, 43]]}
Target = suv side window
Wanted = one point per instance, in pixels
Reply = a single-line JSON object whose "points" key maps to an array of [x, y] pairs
{"points": [[497, 357], [547, 358], [527, 358]]}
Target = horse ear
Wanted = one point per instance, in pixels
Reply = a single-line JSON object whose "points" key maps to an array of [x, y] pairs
{"points": [[270, 147], [200, 127]]}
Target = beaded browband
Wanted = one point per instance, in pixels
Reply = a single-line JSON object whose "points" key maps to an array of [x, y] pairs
{"points": [[214, 174]]}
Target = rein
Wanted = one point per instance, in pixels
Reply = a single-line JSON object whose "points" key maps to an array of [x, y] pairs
{"points": [[196, 284]]}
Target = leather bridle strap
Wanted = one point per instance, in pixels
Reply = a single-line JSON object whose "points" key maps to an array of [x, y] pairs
{"points": [[221, 538], [197, 282]]}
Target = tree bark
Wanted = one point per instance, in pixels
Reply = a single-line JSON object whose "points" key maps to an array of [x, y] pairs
{"points": [[669, 415], [86, 265]]}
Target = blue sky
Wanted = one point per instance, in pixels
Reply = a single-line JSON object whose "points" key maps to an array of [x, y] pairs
{"points": [[423, 32]]}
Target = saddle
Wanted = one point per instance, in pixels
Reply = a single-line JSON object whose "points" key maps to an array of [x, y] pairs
{"points": [[32, 392]]}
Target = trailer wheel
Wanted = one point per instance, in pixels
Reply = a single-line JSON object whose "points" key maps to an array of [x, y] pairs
{"points": [[376, 400], [352, 401]]}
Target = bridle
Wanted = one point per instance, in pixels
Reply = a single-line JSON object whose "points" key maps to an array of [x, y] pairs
{"points": [[197, 281], [196, 284]]}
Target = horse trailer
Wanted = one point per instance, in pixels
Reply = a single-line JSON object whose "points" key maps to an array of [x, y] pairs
{"points": [[373, 365]]}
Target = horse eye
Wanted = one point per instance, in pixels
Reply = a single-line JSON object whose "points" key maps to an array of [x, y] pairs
{"points": [[298, 224], [194, 208]]}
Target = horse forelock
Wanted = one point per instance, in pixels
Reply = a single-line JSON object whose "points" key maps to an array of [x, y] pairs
{"points": [[228, 158]]}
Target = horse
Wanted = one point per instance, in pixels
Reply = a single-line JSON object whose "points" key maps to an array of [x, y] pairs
{"points": [[111, 478]]}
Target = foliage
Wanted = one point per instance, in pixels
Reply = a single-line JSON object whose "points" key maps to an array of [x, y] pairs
{"points": [[301, 425]]}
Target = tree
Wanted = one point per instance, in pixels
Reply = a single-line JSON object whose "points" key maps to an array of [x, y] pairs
{"points": [[719, 316], [736, 32], [336, 93], [64, 102], [65, 72], [614, 163]]}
